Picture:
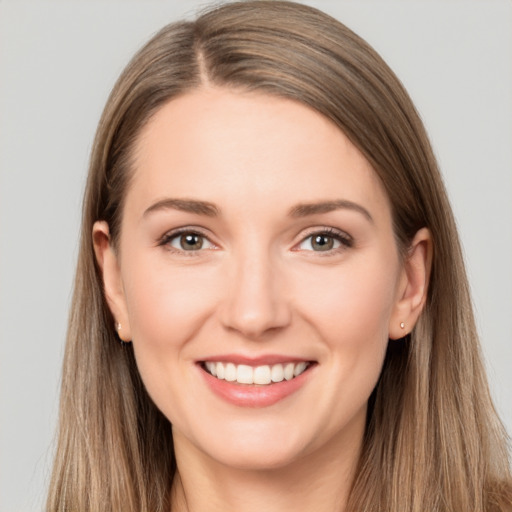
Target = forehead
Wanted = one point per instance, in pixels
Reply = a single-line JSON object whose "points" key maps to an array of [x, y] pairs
{"points": [[246, 149]]}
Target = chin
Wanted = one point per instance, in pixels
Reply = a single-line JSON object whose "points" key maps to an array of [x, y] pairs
{"points": [[257, 459], [255, 447]]}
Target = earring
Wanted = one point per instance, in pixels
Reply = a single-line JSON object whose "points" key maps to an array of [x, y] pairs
{"points": [[118, 328], [402, 325]]}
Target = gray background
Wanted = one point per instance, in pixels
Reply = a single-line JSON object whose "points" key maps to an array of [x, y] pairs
{"points": [[58, 62]]}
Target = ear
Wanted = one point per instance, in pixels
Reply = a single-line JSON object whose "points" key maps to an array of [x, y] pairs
{"points": [[112, 282], [413, 286]]}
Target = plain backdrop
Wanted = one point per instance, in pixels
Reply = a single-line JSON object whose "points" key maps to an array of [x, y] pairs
{"points": [[58, 62]]}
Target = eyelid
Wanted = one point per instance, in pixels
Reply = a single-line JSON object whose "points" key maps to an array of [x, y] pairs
{"points": [[343, 237], [173, 233]]}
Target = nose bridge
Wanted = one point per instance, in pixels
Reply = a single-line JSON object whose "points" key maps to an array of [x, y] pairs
{"points": [[255, 301]]}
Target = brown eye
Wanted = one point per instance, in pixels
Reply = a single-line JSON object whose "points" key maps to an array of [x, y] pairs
{"points": [[326, 241], [191, 242], [322, 242], [187, 241]]}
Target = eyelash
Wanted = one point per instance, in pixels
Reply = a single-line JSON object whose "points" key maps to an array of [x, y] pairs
{"points": [[344, 239], [171, 235]]}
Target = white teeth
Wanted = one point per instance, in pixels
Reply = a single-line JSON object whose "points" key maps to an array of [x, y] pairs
{"points": [[244, 374], [288, 371], [212, 368], [277, 373], [299, 368], [230, 372], [262, 375]]}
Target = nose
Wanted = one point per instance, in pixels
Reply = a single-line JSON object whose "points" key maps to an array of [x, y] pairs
{"points": [[255, 300]]}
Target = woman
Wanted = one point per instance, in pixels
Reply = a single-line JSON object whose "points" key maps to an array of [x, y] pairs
{"points": [[271, 308]]}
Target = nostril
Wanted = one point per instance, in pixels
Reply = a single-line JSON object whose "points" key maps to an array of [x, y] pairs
{"points": [[255, 323], [253, 301]]}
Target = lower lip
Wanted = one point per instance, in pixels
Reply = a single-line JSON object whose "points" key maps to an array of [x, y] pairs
{"points": [[247, 395]]}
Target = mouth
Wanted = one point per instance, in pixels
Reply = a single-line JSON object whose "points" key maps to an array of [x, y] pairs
{"points": [[263, 375], [255, 382]]}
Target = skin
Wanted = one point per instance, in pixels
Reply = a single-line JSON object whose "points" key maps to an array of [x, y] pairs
{"points": [[259, 286]]}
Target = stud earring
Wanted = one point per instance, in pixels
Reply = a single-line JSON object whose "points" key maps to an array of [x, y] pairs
{"points": [[118, 329], [402, 325]]}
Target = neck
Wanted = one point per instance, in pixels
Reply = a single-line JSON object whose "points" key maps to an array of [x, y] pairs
{"points": [[318, 482]]}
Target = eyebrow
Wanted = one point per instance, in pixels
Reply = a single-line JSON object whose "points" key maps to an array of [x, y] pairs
{"points": [[305, 209], [184, 205], [300, 210]]}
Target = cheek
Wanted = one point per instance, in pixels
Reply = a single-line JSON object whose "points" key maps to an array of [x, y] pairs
{"points": [[162, 297], [353, 301], [167, 305], [350, 309]]}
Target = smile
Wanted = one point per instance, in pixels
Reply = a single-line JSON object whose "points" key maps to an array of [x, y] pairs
{"points": [[260, 375]]}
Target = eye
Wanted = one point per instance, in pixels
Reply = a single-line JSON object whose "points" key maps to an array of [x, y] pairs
{"points": [[189, 241], [324, 241]]}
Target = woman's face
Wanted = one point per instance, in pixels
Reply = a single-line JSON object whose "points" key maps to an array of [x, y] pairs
{"points": [[256, 244]]}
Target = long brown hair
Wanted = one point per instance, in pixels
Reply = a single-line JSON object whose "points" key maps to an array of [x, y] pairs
{"points": [[433, 441]]}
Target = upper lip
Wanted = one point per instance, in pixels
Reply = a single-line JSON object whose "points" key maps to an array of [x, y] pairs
{"points": [[260, 360]]}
